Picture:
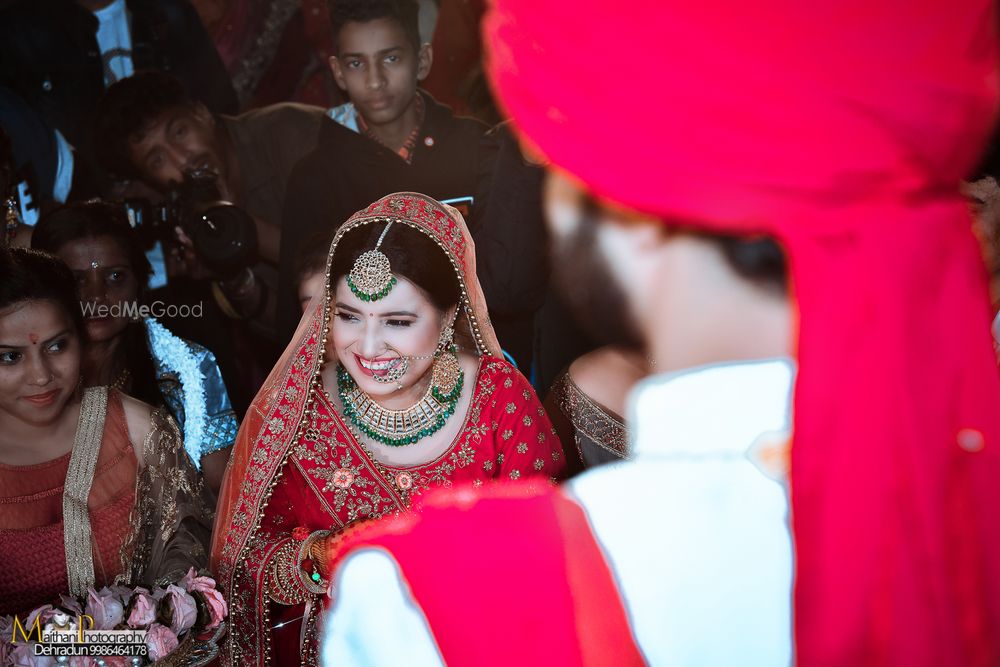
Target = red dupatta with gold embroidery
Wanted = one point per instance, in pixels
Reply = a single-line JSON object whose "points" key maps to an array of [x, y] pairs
{"points": [[282, 412]]}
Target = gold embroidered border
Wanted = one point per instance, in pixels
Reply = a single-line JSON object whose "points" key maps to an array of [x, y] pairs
{"points": [[284, 584], [591, 419], [77, 536], [249, 624]]}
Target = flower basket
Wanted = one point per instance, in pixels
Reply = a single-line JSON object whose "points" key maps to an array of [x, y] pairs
{"points": [[176, 625]]}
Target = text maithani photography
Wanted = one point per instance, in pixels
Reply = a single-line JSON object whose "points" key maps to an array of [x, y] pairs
{"points": [[118, 625]]}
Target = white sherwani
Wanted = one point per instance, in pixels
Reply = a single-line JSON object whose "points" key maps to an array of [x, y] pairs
{"points": [[694, 528]]}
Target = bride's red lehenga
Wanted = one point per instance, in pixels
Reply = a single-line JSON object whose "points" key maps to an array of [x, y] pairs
{"points": [[297, 464]]}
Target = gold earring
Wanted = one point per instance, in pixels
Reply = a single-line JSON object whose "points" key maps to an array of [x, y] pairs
{"points": [[446, 339], [447, 370]]}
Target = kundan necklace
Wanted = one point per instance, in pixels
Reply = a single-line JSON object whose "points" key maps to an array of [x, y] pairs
{"points": [[397, 428]]}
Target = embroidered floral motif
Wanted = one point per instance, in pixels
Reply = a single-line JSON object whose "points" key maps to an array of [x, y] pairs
{"points": [[343, 478], [404, 481]]}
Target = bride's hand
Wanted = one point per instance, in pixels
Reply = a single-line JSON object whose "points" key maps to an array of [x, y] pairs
{"points": [[318, 557]]}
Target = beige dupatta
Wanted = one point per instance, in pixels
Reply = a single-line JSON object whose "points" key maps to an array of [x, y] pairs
{"points": [[171, 518]]}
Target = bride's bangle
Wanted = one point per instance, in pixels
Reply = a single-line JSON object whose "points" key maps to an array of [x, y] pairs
{"points": [[312, 577]]}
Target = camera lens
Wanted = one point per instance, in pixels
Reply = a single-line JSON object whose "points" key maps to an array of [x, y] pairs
{"points": [[225, 238]]}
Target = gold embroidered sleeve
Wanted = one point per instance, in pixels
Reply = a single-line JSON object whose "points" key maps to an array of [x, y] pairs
{"points": [[592, 421], [172, 517]]}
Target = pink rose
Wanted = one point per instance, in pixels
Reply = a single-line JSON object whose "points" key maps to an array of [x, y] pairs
{"points": [[6, 633], [24, 656], [106, 609], [160, 641], [71, 604], [124, 593], [143, 610], [184, 610], [217, 609], [192, 582], [45, 612]]}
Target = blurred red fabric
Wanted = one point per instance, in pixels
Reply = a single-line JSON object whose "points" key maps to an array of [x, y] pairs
{"points": [[843, 130]]}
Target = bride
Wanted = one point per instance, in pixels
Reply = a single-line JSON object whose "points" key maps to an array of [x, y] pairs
{"points": [[393, 384]]}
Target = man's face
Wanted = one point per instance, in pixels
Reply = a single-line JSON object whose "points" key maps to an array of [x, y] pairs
{"points": [[582, 271], [379, 68], [179, 140]]}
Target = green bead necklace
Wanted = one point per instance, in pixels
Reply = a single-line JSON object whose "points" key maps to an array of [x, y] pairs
{"points": [[397, 428]]}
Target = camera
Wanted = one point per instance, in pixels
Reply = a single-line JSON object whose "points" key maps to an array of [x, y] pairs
{"points": [[223, 234]]}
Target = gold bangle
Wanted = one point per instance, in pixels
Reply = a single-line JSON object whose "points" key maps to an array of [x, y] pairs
{"points": [[314, 581]]}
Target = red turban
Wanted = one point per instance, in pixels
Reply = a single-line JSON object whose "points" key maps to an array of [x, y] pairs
{"points": [[842, 129]]}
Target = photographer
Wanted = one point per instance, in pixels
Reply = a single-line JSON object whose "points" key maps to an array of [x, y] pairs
{"points": [[61, 55], [150, 130]]}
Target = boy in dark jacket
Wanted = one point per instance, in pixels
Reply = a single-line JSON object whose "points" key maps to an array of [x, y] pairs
{"points": [[391, 137]]}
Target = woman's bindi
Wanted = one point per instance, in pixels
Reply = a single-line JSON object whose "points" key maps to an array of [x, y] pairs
{"points": [[33, 338]]}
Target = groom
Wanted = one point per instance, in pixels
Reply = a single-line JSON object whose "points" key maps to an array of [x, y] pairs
{"points": [[845, 157]]}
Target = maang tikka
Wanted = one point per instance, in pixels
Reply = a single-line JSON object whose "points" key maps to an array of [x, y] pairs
{"points": [[371, 276]]}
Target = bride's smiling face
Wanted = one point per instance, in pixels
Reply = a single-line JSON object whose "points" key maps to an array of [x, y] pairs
{"points": [[370, 338]]}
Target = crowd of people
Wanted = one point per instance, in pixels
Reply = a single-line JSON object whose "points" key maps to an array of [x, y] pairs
{"points": [[673, 348]]}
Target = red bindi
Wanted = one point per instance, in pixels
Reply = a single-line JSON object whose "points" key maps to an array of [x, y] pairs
{"points": [[33, 338]]}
